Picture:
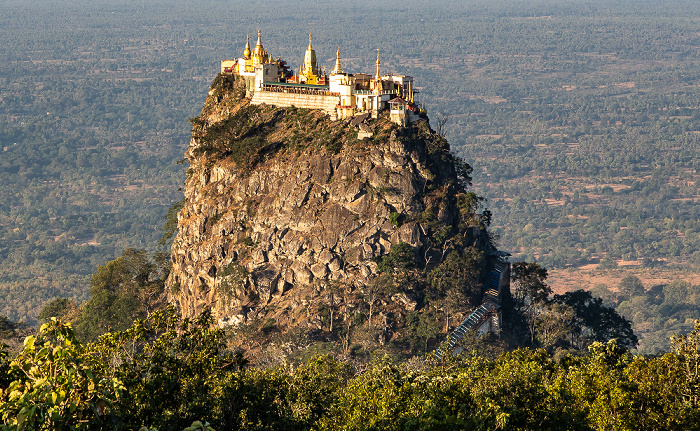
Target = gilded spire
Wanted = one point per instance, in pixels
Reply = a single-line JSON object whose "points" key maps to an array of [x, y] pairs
{"points": [[310, 68], [259, 51], [338, 69], [377, 76], [246, 51]]}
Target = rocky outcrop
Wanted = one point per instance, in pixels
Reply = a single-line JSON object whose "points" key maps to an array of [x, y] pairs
{"points": [[310, 205]]}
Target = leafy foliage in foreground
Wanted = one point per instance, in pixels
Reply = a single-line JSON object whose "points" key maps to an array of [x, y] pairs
{"points": [[169, 373], [58, 387]]}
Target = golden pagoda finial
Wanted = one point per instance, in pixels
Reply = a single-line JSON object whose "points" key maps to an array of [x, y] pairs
{"points": [[338, 69], [246, 51], [310, 47], [259, 52], [259, 42], [378, 77]]}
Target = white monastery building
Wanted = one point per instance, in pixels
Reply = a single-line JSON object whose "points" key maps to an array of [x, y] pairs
{"points": [[340, 94]]}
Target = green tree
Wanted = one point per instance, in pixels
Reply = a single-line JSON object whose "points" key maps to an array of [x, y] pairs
{"points": [[553, 326], [613, 389], [123, 290], [630, 286], [676, 293], [57, 388], [592, 321], [252, 400], [598, 387], [423, 327], [314, 387], [381, 398], [62, 309], [454, 284], [172, 369], [688, 348], [530, 293], [398, 264]]}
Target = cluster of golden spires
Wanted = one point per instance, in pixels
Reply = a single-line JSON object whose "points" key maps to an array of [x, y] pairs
{"points": [[259, 55], [310, 65], [309, 69]]}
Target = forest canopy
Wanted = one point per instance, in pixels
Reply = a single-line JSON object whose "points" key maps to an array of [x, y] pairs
{"points": [[169, 373]]}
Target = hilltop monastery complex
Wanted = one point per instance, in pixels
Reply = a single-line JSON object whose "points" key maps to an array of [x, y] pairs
{"points": [[340, 94]]}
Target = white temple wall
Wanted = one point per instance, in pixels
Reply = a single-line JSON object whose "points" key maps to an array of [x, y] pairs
{"points": [[309, 101]]}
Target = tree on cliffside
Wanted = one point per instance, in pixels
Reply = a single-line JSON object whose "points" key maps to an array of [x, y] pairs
{"points": [[379, 288], [123, 290], [530, 294], [398, 265], [454, 284]]}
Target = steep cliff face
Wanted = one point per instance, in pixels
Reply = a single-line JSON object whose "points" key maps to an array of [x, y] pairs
{"points": [[280, 203]]}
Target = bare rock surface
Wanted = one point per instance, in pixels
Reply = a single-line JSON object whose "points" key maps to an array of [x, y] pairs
{"points": [[257, 236]]}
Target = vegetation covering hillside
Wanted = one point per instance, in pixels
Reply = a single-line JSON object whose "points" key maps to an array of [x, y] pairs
{"points": [[655, 311]]}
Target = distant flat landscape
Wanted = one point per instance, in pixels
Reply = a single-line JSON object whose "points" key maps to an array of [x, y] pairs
{"points": [[581, 119]]}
